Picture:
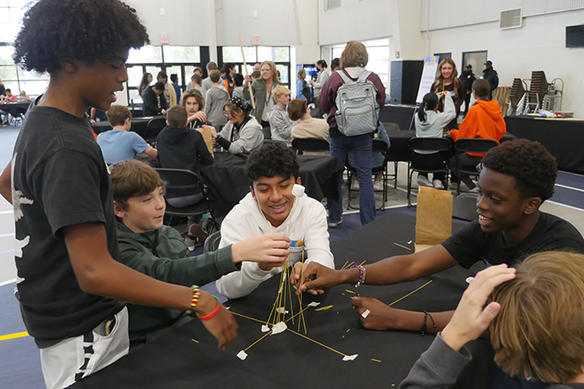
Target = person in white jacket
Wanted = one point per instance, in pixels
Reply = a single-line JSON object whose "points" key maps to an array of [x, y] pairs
{"points": [[272, 206], [242, 134], [429, 124]]}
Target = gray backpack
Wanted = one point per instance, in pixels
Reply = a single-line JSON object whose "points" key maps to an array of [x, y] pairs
{"points": [[357, 108]]}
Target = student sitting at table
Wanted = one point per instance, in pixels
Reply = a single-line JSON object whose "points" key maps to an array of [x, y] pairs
{"points": [[159, 251], [180, 147], [193, 102], [308, 127], [517, 177], [280, 123], [484, 120], [154, 100], [10, 98], [535, 327], [429, 124], [272, 207], [242, 134], [120, 143]]}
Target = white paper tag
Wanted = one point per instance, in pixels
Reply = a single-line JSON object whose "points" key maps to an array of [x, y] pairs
{"points": [[282, 310], [313, 304], [265, 328], [469, 279], [350, 357], [242, 355], [365, 313], [279, 327]]}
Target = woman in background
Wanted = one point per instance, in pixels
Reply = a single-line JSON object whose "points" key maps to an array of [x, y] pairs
{"points": [[262, 92], [301, 85], [146, 80], [447, 80]]}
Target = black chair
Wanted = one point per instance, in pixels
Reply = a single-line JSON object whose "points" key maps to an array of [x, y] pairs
{"points": [[267, 133], [212, 242], [428, 155], [153, 128], [310, 144], [185, 181], [395, 153], [378, 146], [470, 145]]}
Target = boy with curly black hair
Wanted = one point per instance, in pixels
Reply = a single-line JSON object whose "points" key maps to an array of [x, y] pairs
{"points": [[272, 206], [517, 177], [70, 287]]}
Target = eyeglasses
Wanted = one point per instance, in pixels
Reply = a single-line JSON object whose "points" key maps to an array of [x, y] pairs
{"points": [[226, 114]]}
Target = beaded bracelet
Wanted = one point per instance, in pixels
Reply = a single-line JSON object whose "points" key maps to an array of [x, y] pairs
{"points": [[424, 327], [195, 300], [362, 275]]}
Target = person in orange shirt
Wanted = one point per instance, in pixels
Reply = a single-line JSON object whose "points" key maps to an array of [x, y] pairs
{"points": [[484, 120]]}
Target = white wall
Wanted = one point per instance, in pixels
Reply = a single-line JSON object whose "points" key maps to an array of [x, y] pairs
{"points": [[355, 20], [184, 23], [538, 45]]}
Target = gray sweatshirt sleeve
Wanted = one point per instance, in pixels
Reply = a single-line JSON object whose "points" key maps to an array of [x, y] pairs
{"points": [[250, 137], [281, 126], [437, 367]]}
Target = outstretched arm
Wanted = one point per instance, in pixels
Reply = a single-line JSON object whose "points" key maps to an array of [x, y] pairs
{"points": [[5, 185]]}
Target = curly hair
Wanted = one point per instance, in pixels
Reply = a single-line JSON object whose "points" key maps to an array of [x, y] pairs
{"points": [[56, 31], [273, 158], [532, 166]]}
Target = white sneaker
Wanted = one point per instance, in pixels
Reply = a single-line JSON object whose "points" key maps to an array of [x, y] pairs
{"points": [[437, 184], [378, 186], [355, 185], [423, 181]]}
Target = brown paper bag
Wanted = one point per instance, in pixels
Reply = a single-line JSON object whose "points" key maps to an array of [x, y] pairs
{"points": [[433, 217], [206, 132]]}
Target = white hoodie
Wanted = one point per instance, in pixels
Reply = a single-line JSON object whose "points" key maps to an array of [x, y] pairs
{"points": [[306, 221]]}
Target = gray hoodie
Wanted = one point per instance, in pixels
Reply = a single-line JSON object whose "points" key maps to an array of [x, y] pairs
{"points": [[214, 101]]}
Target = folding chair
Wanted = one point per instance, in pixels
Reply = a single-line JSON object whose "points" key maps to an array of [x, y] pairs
{"points": [[186, 181], [470, 145], [212, 242], [153, 128], [428, 155], [378, 146], [310, 144]]}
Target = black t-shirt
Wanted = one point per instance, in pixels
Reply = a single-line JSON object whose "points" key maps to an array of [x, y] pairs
{"points": [[471, 244], [59, 179]]}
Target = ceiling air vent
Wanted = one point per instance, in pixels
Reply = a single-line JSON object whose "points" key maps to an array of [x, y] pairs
{"points": [[331, 4], [510, 18]]}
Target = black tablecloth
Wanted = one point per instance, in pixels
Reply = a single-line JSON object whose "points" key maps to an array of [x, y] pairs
{"points": [[139, 125], [228, 182], [562, 138], [15, 109], [288, 360]]}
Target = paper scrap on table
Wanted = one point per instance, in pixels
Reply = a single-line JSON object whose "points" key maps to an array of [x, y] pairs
{"points": [[469, 279], [314, 304], [265, 328], [242, 355], [279, 327], [365, 313], [350, 357], [282, 310]]}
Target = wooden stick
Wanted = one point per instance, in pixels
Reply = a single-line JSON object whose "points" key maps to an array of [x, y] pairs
{"points": [[246, 73]]}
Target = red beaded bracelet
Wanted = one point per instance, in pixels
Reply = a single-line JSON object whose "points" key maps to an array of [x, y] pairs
{"points": [[211, 314]]}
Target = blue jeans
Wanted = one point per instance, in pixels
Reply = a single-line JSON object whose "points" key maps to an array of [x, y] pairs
{"points": [[361, 148]]}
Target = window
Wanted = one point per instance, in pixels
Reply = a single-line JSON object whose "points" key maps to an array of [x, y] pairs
{"points": [[13, 77], [153, 59], [280, 55]]}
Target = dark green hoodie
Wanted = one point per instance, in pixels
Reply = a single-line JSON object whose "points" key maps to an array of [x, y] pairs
{"points": [[162, 254]]}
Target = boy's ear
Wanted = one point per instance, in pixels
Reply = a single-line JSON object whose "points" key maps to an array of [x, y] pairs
{"points": [[532, 206], [119, 210], [299, 180]]}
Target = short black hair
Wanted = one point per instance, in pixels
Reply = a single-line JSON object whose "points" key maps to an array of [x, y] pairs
{"points": [[159, 86], [532, 166], [335, 63], [273, 158], [174, 77], [57, 31], [227, 67], [238, 79]]}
